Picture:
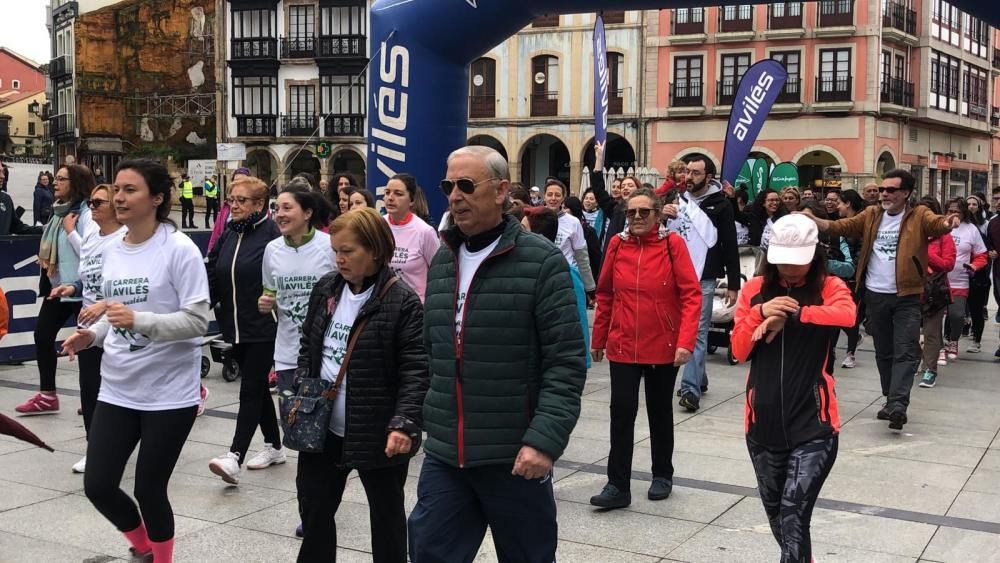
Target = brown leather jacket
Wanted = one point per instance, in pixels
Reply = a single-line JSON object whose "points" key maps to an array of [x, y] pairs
{"points": [[919, 224]]}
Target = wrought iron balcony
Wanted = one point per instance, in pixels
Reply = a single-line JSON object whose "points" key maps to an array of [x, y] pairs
{"points": [[298, 47], [545, 104], [898, 92], [686, 93], [336, 46], [785, 20], [836, 13], [834, 88], [298, 125], [344, 125], [694, 23], [791, 92], [62, 124], [735, 20], [616, 102], [254, 48], [725, 91], [61, 66], [898, 16], [257, 125]]}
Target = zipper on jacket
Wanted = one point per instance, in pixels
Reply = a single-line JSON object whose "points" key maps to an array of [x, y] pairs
{"points": [[781, 382], [638, 273], [232, 280]]}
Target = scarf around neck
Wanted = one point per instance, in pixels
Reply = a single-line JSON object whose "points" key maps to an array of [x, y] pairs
{"points": [[247, 224], [48, 250]]}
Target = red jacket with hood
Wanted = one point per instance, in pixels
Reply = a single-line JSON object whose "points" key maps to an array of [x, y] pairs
{"points": [[648, 299]]}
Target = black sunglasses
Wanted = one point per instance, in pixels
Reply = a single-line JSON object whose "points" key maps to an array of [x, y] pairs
{"points": [[466, 185], [891, 190], [642, 212], [96, 203]]}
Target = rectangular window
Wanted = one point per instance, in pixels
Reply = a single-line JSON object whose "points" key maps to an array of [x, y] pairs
{"points": [[15, 84], [301, 22], [886, 69], [736, 18], [900, 71], [944, 82], [733, 68], [791, 93], [342, 94], [834, 13], [975, 38], [834, 82], [946, 22], [254, 24], [31, 128], [255, 95], [343, 20], [687, 85], [974, 99], [689, 21]]}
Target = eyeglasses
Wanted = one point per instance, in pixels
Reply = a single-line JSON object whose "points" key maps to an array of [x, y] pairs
{"points": [[466, 185], [240, 200], [884, 189], [62, 178], [96, 203], [641, 212]]}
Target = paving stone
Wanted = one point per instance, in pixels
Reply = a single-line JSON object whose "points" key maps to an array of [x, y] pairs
{"points": [[25, 548], [977, 506], [954, 545], [16, 495], [622, 530]]}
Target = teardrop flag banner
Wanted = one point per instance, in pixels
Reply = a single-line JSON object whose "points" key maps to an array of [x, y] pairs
{"points": [[603, 82], [757, 92], [743, 179], [758, 176], [784, 175]]}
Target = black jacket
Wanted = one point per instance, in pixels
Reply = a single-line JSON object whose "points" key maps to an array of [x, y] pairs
{"points": [[235, 266], [614, 210], [387, 374], [723, 259], [41, 207], [10, 223]]}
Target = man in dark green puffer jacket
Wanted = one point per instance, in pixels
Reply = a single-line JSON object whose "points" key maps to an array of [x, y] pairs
{"points": [[507, 369]]}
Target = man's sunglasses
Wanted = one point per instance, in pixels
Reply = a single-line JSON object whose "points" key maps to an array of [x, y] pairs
{"points": [[891, 190], [466, 185], [641, 212]]}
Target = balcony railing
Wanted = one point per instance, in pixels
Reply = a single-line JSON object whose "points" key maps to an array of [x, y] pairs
{"points": [[298, 47], [898, 92], [482, 107], [791, 92], [257, 125], [689, 26], [740, 20], [298, 125], [61, 66], [834, 88], [254, 48], [686, 93], [978, 111], [545, 104], [725, 90], [62, 124], [836, 13], [334, 46], [616, 102], [898, 16], [344, 125], [785, 20]]}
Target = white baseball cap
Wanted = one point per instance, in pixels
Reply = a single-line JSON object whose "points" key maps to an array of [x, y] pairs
{"points": [[793, 240], [535, 189]]}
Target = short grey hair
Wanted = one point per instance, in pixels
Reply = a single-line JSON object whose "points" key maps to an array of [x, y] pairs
{"points": [[496, 164]]}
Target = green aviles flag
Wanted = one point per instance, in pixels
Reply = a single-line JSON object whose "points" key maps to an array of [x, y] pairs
{"points": [[784, 175], [743, 180], [758, 176]]}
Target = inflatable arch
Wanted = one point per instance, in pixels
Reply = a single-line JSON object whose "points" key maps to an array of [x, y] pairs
{"points": [[418, 79]]}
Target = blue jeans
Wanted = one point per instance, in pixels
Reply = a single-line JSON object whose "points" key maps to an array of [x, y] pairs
{"points": [[694, 372]]}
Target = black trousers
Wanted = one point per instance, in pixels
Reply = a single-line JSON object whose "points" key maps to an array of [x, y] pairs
{"points": [[211, 210], [256, 405], [895, 324], [53, 315], [113, 437], [321, 481], [854, 333], [187, 212], [979, 295], [789, 482], [659, 385], [89, 361]]}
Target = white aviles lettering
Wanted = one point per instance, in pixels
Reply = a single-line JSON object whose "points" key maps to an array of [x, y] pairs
{"points": [[471, 3], [750, 105], [605, 79], [388, 135]]}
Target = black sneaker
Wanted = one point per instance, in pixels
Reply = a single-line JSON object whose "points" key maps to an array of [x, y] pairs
{"points": [[704, 389], [660, 488], [884, 413], [689, 402], [611, 497], [897, 419]]}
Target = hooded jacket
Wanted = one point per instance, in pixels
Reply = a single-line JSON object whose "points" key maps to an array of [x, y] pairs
{"points": [[723, 259]]}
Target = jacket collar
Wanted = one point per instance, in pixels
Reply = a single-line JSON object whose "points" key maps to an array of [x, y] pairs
{"points": [[652, 236], [381, 277], [454, 238]]}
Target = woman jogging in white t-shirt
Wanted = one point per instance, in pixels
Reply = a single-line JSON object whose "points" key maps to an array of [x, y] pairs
{"points": [[570, 239], [157, 292]]}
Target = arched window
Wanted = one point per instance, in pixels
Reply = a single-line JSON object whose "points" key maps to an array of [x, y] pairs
{"points": [[616, 83], [544, 86], [483, 89]]}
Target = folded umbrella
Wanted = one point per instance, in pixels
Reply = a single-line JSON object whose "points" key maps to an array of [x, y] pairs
{"points": [[11, 427]]}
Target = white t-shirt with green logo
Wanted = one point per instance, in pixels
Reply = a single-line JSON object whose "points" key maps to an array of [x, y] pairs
{"points": [[881, 274], [162, 275], [291, 274], [92, 260], [335, 340]]}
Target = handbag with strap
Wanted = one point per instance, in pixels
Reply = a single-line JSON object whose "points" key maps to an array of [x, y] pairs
{"points": [[305, 416]]}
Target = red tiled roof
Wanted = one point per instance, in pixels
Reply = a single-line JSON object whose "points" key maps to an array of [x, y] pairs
{"points": [[13, 96]]}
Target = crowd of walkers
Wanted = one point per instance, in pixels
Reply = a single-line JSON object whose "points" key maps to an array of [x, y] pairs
{"points": [[382, 335]]}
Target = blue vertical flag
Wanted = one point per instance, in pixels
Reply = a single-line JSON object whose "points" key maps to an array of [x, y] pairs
{"points": [[758, 90], [602, 83]]}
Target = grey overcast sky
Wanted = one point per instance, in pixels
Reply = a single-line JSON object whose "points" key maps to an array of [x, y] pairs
{"points": [[24, 29]]}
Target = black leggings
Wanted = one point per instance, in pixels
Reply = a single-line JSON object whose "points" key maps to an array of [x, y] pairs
{"points": [[256, 406], [659, 385], [979, 295], [51, 318], [114, 434], [90, 382], [789, 482]]}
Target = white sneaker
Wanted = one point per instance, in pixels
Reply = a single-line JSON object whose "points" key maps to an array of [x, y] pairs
{"points": [[80, 466], [227, 467], [266, 458], [849, 361], [943, 358]]}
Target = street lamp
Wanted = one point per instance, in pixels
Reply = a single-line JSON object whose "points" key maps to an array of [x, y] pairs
{"points": [[34, 107]]}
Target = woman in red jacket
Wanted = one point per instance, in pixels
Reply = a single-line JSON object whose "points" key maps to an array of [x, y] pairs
{"points": [[648, 308], [941, 255], [786, 320]]}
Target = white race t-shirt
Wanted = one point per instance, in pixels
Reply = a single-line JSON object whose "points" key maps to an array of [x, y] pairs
{"points": [[765, 237], [742, 234], [338, 332], [968, 243], [416, 244], [570, 237], [162, 275], [291, 274], [468, 263], [92, 251], [697, 230], [881, 274]]}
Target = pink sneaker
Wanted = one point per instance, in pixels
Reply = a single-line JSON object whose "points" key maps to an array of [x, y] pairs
{"points": [[39, 404], [204, 397], [272, 381]]}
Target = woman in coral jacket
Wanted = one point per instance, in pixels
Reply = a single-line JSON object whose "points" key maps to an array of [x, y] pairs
{"points": [[648, 308], [786, 319]]}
